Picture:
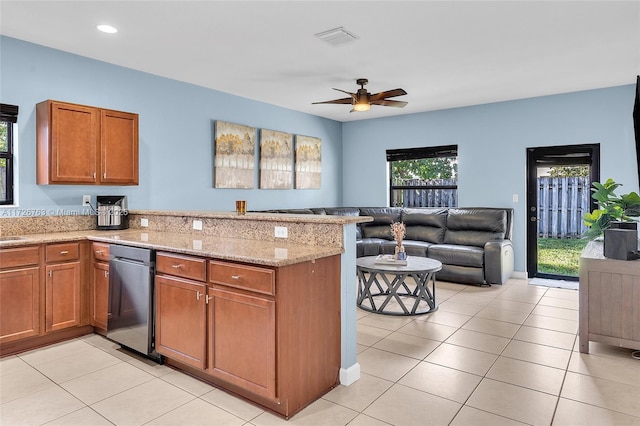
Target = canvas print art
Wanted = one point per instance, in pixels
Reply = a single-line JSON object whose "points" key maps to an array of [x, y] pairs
{"points": [[308, 162], [276, 159], [234, 161]]}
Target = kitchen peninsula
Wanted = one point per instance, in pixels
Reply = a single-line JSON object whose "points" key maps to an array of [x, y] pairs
{"points": [[288, 305]]}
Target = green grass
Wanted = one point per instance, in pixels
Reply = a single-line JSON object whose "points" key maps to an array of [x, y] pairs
{"points": [[560, 256]]}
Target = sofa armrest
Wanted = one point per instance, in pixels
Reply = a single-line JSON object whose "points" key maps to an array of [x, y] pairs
{"points": [[498, 261]]}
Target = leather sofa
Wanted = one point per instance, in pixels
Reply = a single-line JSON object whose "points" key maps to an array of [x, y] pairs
{"points": [[473, 244]]}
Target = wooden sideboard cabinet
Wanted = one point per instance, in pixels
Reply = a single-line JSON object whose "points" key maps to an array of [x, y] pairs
{"points": [[609, 299], [78, 144]]}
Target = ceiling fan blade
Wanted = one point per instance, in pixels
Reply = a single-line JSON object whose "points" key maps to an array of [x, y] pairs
{"points": [[336, 101], [388, 94], [344, 91], [390, 103]]}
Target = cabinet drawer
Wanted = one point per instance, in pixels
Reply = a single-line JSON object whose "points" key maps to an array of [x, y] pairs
{"points": [[100, 251], [260, 280], [21, 256], [193, 268], [63, 252]]}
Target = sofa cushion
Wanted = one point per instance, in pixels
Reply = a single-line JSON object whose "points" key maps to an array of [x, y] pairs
{"points": [[370, 246], [487, 220], [474, 227], [342, 211], [457, 255], [412, 248], [425, 224], [471, 238], [383, 217]]}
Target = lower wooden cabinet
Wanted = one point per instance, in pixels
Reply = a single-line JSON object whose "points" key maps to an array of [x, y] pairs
{"points": [[43, 295], [181, 313], [19, 304], [242, 340], [100, 296], [62, 295]]}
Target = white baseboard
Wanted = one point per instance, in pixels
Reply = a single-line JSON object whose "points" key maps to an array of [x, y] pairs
{"points": [[350, 375], [519, 275]]}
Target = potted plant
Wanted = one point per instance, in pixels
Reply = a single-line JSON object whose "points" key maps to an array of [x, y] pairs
{"points": [[614, 213]]}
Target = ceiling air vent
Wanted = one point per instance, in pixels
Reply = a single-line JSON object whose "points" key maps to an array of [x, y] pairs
{"points": [[337, 36]]}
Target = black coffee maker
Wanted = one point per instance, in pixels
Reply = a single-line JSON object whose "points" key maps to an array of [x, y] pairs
{"points": [[112, 212]]}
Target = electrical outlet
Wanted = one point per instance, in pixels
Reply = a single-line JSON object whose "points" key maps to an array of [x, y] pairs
{"points": [[197, 225], [144, 222], [281, 232], [86, 201], [515, 198]]}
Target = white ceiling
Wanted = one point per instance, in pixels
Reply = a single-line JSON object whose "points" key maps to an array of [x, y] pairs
{"points": [[443, 53]]}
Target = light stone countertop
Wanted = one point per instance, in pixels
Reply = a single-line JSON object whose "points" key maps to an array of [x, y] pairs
{"points": [[268, 253], [274, 217]]}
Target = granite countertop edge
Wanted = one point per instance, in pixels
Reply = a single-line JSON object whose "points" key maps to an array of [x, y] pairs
{"points": [[267, 253], [269, 217]]}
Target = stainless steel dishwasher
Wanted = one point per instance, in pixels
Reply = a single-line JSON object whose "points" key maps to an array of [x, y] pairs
{"points": [[131, 299]]}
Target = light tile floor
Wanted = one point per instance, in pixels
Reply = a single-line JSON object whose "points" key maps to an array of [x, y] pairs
{"points": [[500, 355]]}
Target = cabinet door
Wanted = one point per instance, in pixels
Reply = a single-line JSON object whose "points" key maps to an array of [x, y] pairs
{"points": [[181, 320], [242, 340], [100, 295], [19, 304], [62, 296], [75, 131], [119, 148]]}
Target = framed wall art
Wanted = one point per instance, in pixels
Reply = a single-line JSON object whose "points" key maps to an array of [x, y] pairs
{"points": [[235, 155], [308, 162], [276, 159]]}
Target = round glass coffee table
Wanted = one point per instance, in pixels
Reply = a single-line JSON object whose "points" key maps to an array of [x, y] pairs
{"points": [[388, 289]]}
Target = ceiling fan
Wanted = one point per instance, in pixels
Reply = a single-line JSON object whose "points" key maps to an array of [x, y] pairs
{"points": [[362, 100]]}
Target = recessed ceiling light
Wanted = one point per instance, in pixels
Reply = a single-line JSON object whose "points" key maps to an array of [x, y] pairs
{"points": [[107, 29]]}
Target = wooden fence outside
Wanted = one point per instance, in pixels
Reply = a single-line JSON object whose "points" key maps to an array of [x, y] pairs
{"points": [[425, 197], [561, 203]]}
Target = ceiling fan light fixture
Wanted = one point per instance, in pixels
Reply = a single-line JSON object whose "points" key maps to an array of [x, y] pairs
{"points": [[107, 29], [361, 106]]}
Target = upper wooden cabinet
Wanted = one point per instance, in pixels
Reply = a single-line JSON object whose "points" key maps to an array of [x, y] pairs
{"points": [[78, 144]]}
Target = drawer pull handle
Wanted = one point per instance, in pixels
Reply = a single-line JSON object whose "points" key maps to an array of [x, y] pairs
{"points": [[177, 266], [235, 277], [99, 251], [63, 252]]}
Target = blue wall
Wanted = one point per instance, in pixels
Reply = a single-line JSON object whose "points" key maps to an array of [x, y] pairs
{"points": [[176, 132], [492, 141]]}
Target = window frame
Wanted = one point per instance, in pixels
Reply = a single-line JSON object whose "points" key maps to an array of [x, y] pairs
{"points": [[9, 115], [419, 154]]}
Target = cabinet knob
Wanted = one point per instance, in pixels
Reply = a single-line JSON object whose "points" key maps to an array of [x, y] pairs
{"points": [[63, 252], [177, 266]]}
